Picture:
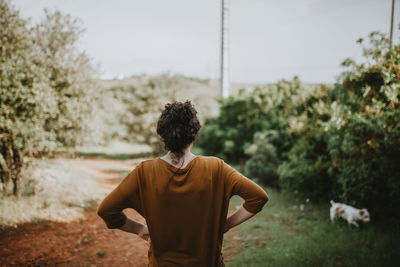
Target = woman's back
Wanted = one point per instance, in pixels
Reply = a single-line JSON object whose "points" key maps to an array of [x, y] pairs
{"points": [[185, 209]]}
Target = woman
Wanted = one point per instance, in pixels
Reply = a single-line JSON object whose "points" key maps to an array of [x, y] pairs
{"points": [[183, 197]]}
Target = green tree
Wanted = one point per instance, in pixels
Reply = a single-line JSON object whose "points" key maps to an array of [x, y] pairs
{"points": [[48, 94], [254, 128], [349, 145], [69, 72], [25, 103], [143, 103], [367, 150]]}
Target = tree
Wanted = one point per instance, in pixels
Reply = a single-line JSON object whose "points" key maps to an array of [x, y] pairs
{"points": [[24, 101], [69, 73], [48, 95]]}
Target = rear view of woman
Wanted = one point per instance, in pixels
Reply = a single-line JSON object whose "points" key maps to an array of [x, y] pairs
{"points": [[183, 197]]}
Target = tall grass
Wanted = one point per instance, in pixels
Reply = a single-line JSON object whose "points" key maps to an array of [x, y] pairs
{"points": [[58, 192], [282, 234]]}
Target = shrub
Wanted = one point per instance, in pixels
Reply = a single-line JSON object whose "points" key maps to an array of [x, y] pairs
{"points": [[340, 142], [348, 147], [263, 163], [266, 108], [305, 170], [143, 100], [48, 95], [23, 91]]}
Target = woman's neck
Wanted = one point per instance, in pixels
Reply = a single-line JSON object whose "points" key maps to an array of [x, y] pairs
{"points": [[183, 161]]}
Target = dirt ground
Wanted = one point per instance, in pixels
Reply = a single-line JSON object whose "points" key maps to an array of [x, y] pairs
{"points": [[84, 242]]}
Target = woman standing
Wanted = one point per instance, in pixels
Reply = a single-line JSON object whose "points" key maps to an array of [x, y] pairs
{"points": [[183, 197]]}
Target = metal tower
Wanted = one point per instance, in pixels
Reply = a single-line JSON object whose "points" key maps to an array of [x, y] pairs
{"points": [[224, 79]]}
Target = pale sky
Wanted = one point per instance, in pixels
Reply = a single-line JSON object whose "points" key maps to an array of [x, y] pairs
{"points": [[269, 39]]}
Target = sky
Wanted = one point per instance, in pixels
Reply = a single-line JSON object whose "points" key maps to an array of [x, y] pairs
{"points": [[269, 40]]}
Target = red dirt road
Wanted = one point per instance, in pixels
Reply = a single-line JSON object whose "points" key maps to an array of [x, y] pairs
{"points": [[78, 243]]}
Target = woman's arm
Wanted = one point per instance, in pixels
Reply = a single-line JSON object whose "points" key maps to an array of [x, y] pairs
{"points": [[237, 217], [254, 196], [125, 195], [132, 226]]}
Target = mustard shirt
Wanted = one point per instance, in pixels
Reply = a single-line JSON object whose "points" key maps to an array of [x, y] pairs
{"points": [[185, 209]]}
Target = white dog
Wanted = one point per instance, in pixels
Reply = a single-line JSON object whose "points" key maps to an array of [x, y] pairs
{"points": [[350, 214]]}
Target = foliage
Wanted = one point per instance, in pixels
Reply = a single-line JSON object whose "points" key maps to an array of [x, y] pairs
{"points": [[21, 98], [143, 99], [143, 104], [349, 146], [306, 168], [48, 97], [263, 163], [266, 108], [367, 151], [340, 142], [68, 72]]}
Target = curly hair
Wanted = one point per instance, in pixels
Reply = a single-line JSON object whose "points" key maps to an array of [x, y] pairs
{"points": [[178, 126]]}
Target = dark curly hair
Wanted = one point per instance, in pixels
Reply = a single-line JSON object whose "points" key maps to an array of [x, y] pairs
{"points": [[178, 127]]}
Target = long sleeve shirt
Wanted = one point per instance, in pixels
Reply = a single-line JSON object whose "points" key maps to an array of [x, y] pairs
{"points": [[185, 209]]}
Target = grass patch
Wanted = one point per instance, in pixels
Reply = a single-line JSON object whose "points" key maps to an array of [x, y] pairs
{"points": [[121, 172], [61, 194], [284, 235], [117, 156], [116, 150]]}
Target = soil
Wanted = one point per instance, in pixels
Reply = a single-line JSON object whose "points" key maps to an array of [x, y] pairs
{"points": [[85, 242]]}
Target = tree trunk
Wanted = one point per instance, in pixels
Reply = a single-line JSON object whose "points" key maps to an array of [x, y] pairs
{"points": [[10, 162]]}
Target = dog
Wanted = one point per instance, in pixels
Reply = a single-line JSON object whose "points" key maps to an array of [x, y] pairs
{"points": [[350, 214]]}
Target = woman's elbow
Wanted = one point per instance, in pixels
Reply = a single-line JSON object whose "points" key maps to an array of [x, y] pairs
{"points": [[263, 199], [112, 218], [102, 212], [99, 212]]}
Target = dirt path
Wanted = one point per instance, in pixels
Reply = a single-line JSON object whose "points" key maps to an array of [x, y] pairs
{"points": [[84, 242]]}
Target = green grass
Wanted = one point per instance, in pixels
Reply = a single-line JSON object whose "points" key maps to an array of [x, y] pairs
{"points": [[119, 150], [115, 156], [283, 235], [121, 172]]}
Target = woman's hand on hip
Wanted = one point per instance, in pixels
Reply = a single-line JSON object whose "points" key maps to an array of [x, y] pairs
{"points": [[144, 234]]}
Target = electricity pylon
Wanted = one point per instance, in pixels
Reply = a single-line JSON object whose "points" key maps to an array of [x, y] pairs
{"points": [[224, 79], [391, 24]]}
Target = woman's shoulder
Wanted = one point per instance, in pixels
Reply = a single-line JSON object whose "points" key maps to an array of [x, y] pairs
{"points": [[199, 159], [149, 162], [209, 160]]}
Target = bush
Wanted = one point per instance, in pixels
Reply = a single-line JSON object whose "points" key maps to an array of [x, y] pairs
{"points": [[23, 92], [307, 171], [242, 116], [263, 163], [348, 149], [48, 94], [340, 142], [366, 161], [143, 100]]}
